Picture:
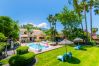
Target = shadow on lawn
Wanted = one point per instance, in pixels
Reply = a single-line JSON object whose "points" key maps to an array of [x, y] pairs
{"points": [[73, 60], [83, 49], [33, 63]]}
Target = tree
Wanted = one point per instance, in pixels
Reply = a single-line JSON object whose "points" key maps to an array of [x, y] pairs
{"points": [[94, 30], [91, 4], [48, 34], [78, 8], [9, 27], [81, 6], [96, 6], [49, 18], [15, 33], [85, 6], [54, 26], [52, 20], [2, 47], [70, 20], [29, 27], [2, 37]]}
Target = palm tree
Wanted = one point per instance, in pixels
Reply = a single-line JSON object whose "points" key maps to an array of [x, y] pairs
{"points": [[96, 5], [84, 2], [29, 27], [49, 18], [54, 24], [91, 3], [94, 30], [52, 20], [85, 8], [78, 9]]}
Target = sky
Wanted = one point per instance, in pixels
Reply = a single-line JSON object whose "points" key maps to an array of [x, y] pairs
{"points": [[36, 11]]}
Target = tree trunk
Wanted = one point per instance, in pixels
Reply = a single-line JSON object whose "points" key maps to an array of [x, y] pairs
{"points": [[50, 25], [91, 21], [51, 31], [55, 32], [86, 23], [28, 37], [82, 30]]}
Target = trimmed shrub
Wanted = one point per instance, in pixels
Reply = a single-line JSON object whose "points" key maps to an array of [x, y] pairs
{"points": [[22, 60], [22, 50]]}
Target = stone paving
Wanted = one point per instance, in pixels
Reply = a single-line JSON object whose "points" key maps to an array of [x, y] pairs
{"points": [[10, 52], [6, 65]]}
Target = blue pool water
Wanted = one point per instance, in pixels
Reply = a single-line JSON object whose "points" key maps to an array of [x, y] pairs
{"points": [[37, 46]]}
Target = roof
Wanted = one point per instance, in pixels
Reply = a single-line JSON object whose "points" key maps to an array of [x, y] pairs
{"points": [[94, 37], [34, 33], [23, 29], [38, 33], [24, 35]]}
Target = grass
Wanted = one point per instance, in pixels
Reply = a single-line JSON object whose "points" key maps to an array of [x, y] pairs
{"points": [[4, 61], [86, 57], [89, 56]]}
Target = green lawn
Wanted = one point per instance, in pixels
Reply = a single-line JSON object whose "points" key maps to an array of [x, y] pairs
{"points": [[4, 61], [88, 57]]}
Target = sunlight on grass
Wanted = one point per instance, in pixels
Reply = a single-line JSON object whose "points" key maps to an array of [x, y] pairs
{"points": [[4, 61], [88, 57]]}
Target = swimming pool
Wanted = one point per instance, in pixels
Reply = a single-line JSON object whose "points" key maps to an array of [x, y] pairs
{"points": [[37, 46]]}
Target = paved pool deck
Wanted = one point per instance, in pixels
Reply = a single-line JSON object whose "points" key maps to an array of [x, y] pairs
{"points": [[42, 51]]}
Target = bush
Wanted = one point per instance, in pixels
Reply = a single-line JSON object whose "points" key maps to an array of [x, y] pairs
{"points": [[92, 42], [22, 50], [47, 38], [21, 60]]}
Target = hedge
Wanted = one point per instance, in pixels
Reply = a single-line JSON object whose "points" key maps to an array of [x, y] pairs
{"points": [[22, 60], [22, 50]]}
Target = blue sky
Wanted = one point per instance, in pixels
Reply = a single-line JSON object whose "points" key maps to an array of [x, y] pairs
{"points": [[36, 11]]}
